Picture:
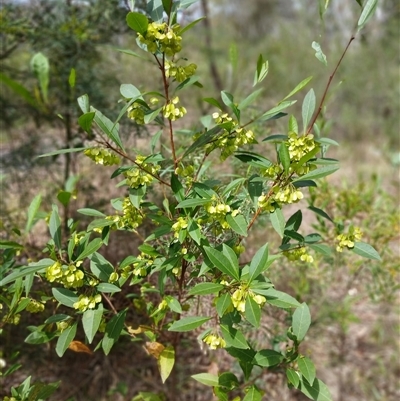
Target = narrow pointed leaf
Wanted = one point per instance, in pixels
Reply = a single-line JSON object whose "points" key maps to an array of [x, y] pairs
{"points": [[367, 12], [365, 250], [166, 362], [91, 321], [259, 263], [237, 223], [306, 368], [32, 210], [222, 263], [252, 312], [298, 88], [113, 331], [188, 323], [308, 108], [267, 357], [301, 321], [65, 339], [318, 391], [278, 221]]}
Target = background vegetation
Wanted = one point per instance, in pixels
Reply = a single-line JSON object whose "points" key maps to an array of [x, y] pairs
{"points": [[354, 303]]}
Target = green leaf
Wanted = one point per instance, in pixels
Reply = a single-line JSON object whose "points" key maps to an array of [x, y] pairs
{"points": [[222, 263], [365, 250], [298, 88], [259, 263], [293, 126], [192, 203], [306, 368], [91, 212], [318, 53], [280, 299], [194, 231], [228, 380], [284, 156], [166, 362], [151, 115], [55, 226], [301, 321], [167, 6], [83, 102], [293, 377], [206, 288], [320, 212], [193, 80], [276, 110], [237, 223], [190, 25], [318, 173], [72, 78], [65, 339], [131, 53], [206, 378], [19, 90], [367, 12], [223, 303], [243, 355], [138, 22], [57, 318], [40, 67], [177, 188], [188, 323], [318, 391], [91, 321], [308, 108], [25, 270], [129, 91], [252, 394], [267, 358], [278, 221], [261, 71], [85, 121], [107, 126], [101, 267], [233, 337], [294, 221], [203, 139], [108, 288], [113, 331], [64, 296], [250, 99], [252, 312], [90, 248], [61, 152], [32, 210], [321, 248]]}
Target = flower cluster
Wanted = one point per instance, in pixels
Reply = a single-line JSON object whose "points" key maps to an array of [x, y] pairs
{"points": [[186, 172], [61, 326], [172, 110], [69, 276], [348, 240], [85, 302], [240, 295], [272, 171], [299, 254], [135, 177], [230, 139], [278, 196], [217, 211], [130, 219], [162, 37], [214, 341], [179, 73], [102, 156], [300, 146], [136, 113], [34, 306], [140, 267], [180, 224]]}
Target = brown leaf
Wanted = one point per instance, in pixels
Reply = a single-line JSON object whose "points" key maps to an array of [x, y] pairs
{"points": [[78, 346], [154, 348]]}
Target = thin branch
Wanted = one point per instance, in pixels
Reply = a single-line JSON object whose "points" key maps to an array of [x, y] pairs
{"points": [[328, 85]]}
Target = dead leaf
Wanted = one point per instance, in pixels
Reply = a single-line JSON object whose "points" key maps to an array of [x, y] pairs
{"points": [[78, 346]]}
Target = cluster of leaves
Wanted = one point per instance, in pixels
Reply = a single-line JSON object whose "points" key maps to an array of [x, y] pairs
{"points": [[200, 229]]}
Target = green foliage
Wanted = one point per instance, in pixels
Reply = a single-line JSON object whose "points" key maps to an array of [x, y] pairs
{"points": [[189, 274]]}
